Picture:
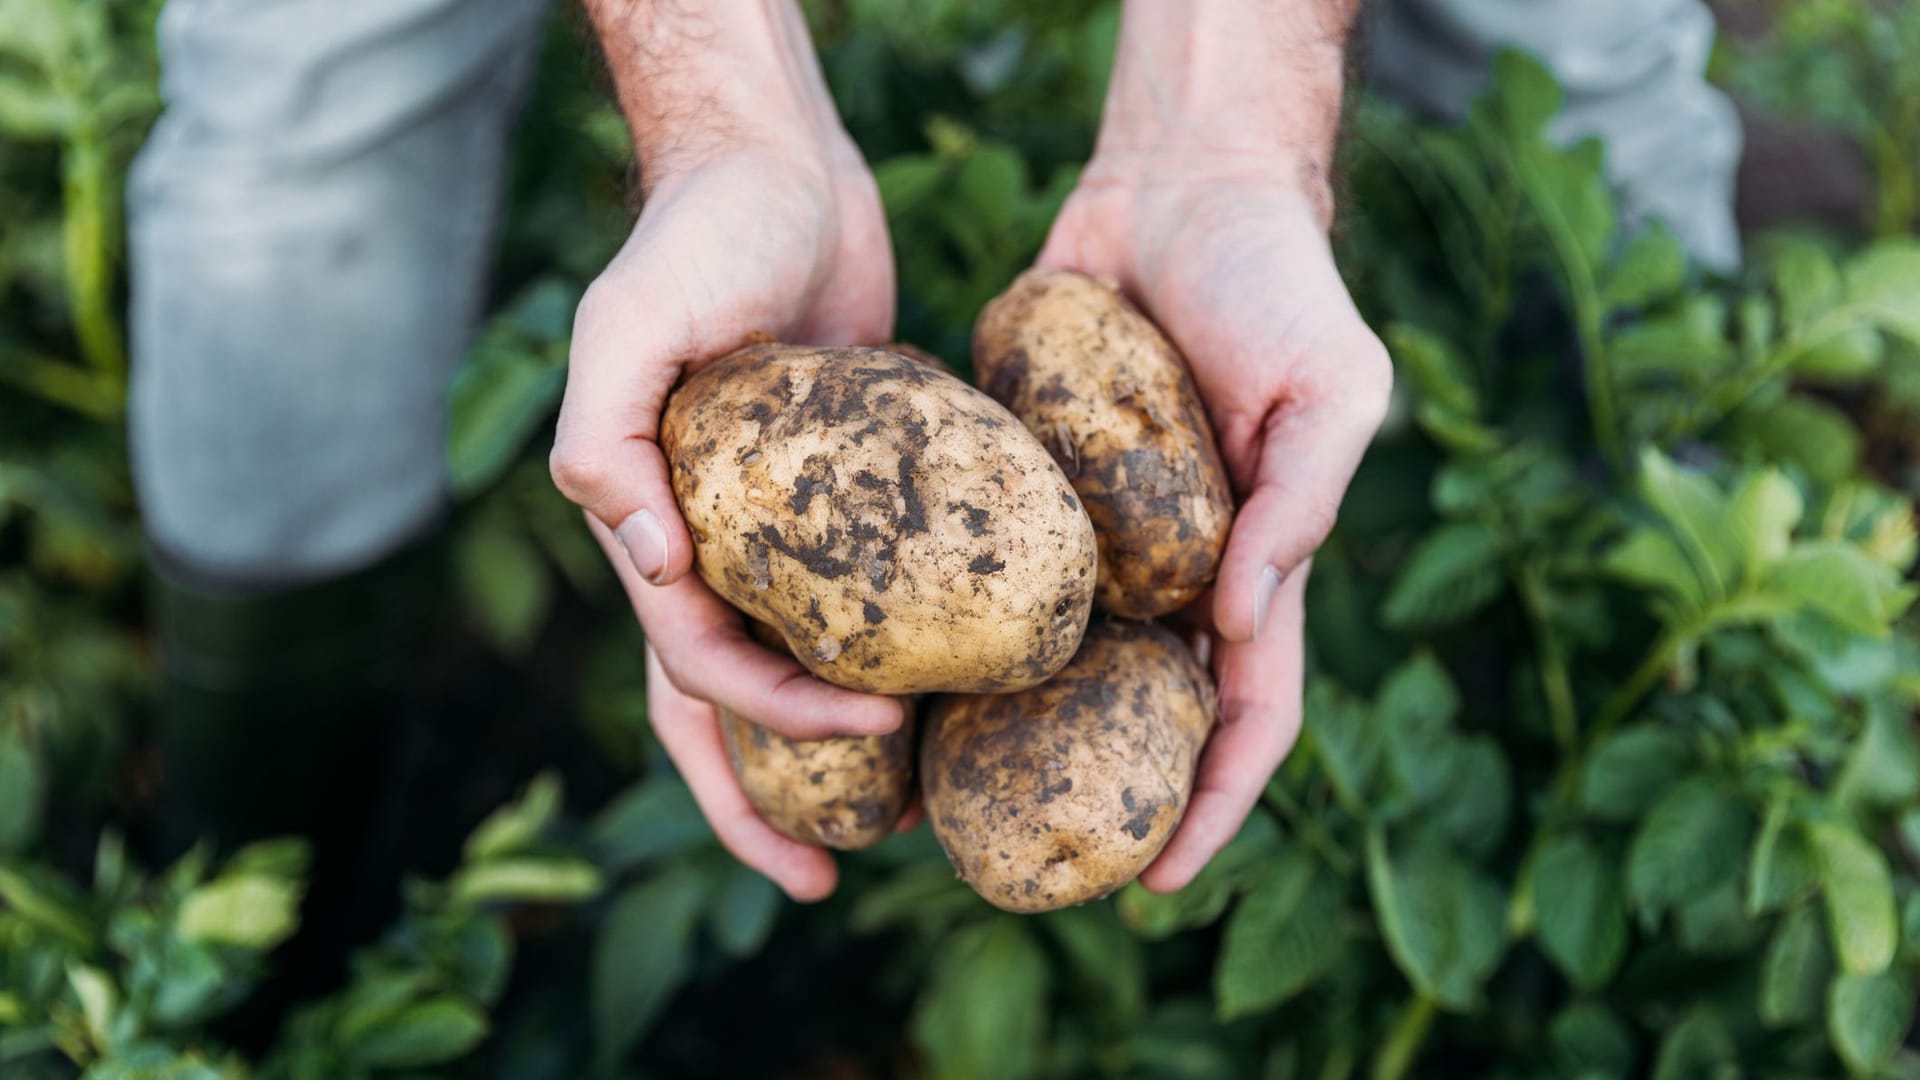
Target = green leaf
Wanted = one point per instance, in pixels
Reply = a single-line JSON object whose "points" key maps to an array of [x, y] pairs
{"points": [[1699, 1046], [191, 981], [1686, 342], [504, 582], [247, 910], [1808, 284], [984, 1010], [1454, 431], [1764, 509], [744, 913], [1107, 963], [1444, 923], [36, 111], [1631, 769], [527, 879], [1282, 937], [1154, 916], [1867, 1017], [501, 396], [46, 904], [514, 827], [1884, 281], [907, 181], [1801, 431], [1473, 811], [1524, 96], [925, 893], [99, 1002], [1587, 1039], [1653, 560], [1580, 916], [1693, 839], [1844, 660], [642, 956], [650, 820], [1453, 573], [22, 791], [1415, 710], [1782, 871], [1859, 893], [431, 1032], [1794, 971], [1432, 367], [1843, 583], [993, 181], [1883, 768], [1345, 736], [1716, 923], [1652, 266], [1699, 516], [1569, 191], [1843, 357], [377, 997]]}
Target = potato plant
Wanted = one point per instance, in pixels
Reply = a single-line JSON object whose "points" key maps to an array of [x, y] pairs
{"points": [[1609, 766]]}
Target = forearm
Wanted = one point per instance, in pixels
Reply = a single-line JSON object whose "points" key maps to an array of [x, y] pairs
{"points": [[1225, 81], [698, 78]]}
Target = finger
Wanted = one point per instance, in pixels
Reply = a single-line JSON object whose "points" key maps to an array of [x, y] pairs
{"points": [[606, 455], [705, 650], [1260, 688], [1309, 449], [910, 819], [689, 731]]}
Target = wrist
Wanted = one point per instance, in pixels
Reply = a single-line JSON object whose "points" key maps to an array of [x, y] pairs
{"points": [[702, 79], [1240, 90]]}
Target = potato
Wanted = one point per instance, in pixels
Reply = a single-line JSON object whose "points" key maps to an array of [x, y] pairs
{"points": [[1061, 794], [1113, 401], [844, 793], [899, 528]]}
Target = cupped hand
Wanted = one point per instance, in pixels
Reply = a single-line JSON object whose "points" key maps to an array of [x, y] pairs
{"points": [[1229, 255], [750, 241]]}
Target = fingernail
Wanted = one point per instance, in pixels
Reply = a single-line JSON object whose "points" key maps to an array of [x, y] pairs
{"points": [[1202, 647], [1263, 597], [646, 543]]}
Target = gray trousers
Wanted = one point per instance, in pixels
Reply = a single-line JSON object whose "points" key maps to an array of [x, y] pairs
{"points": [[311, 223]]}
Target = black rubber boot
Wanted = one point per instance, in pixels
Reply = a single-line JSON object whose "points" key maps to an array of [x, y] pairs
{"points": [[278, 710]]}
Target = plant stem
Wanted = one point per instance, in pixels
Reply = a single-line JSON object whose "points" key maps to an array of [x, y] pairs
{"points": [[1403, 1042], [1555, 684], [1656, 663], [1308, 828], [1584, 294], [88, 235]]}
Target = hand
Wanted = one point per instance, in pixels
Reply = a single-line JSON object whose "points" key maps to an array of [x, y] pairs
{"points": [[1229, 255], [760, 217]]}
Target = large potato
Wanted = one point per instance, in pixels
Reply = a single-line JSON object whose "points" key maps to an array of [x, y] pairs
{"points": [[1113, 401], [899, 528], [1063, 793], [844, 793]]}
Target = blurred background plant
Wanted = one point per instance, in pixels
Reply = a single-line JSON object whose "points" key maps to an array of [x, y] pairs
{"points": [[1610, 766]]}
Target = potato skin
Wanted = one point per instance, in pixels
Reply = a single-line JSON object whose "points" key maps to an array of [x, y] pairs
{"points": [[899, 528], [842, 793], [1113, 401], [1063, 793]]}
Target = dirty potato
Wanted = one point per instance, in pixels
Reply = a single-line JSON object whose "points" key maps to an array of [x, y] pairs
{"points": [[1063, 793], [844, 793], [1113, 401], [899, 528]]}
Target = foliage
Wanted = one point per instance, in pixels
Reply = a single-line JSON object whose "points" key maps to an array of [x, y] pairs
{"points": [[1609, 763]]}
